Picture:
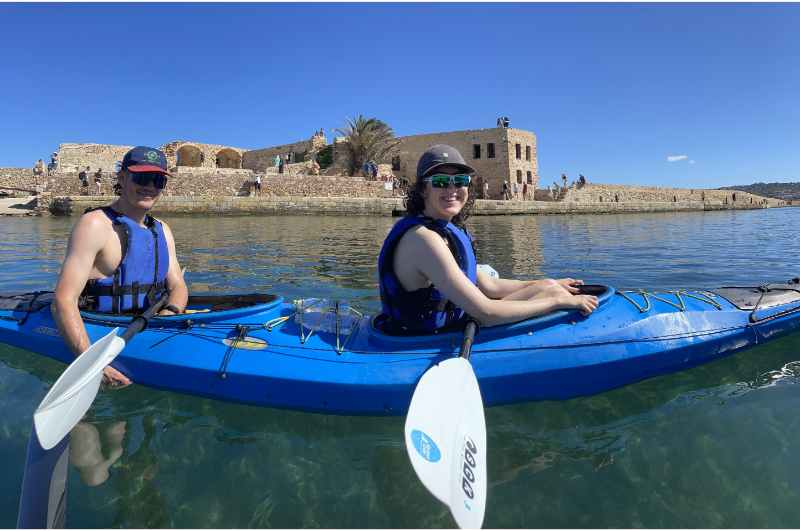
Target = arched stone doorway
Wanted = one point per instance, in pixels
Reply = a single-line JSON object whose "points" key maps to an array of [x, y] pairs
{"points": [[229, 158], [189, 155]]}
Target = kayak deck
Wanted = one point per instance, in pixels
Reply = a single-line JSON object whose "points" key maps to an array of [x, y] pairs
{"points": [[262, 350]]}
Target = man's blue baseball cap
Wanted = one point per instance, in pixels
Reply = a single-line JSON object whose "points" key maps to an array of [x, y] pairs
{"points": [[143, 158]]}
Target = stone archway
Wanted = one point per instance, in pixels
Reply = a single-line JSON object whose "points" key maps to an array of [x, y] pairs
{"points": [[189, 155], [229, 158]]}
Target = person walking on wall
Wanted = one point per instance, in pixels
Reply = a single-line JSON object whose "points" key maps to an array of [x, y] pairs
{"points": [[258, 184], [280, 164], [98, 180], [38, 168], [84, 177], [51, 168], [485, 189], [524, 191], [516, 191], [505, 191]]}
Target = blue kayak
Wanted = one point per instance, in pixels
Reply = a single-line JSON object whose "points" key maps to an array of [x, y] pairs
{"points": [[325, 356]]}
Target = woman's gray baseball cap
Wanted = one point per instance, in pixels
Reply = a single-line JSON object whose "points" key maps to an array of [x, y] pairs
{"points": [[441, 155]]}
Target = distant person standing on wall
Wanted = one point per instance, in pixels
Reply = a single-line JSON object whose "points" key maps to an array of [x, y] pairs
{"points": [[505, 191], [38, 168], [84, 177], [525, 191], [280, 164], [516, 191], [98, 180], [258, 184], [51, 168], [276, 161], [486, 189]]}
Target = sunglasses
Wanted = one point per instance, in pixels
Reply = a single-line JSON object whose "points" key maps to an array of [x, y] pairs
{"points": [[441, 180], [146, 178]]}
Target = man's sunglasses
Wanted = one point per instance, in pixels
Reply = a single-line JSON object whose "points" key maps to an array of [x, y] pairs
{"points": [[441, 180], [146, 178]]}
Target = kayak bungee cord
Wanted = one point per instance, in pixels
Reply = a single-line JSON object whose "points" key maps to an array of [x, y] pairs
{"points": [[680, 305]]}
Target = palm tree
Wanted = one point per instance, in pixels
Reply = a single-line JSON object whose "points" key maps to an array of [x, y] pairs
{"points": [[367, 139]]}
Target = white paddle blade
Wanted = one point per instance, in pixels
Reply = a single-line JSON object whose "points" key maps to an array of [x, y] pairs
{"points": [[74, 391], [445, 436]]}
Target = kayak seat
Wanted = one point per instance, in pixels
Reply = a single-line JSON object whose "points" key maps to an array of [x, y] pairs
{"points": [[216, 303], [593, 289]]}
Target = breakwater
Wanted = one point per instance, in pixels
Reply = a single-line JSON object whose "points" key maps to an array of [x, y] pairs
{"points": [[72, 205]]}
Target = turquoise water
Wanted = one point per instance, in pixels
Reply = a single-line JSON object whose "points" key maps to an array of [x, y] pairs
{"points": [[715, 446]]}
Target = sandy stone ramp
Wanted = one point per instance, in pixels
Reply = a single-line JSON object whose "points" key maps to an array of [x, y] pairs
{"points": [[16, 206]]}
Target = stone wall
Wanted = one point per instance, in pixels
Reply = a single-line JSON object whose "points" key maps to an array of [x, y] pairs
{"points": [[609, 193], [75, 205], [504, 165], [218, 184], [384, 206], [103, 156], [22, 179], [259, 160], [195, 155]]}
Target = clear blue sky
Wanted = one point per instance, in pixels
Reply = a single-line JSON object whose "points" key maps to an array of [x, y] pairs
{"points": [[611, 91]]}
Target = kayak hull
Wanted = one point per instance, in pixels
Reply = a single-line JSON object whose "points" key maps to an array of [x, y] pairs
{"points": [[230, 354]]}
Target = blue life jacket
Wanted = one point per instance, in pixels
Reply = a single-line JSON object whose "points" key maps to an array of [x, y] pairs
{"points": [[140, 278], [425, 310]]}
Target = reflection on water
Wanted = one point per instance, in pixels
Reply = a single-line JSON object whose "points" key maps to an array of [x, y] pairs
{"points": [[710, 447], [92, 457]]}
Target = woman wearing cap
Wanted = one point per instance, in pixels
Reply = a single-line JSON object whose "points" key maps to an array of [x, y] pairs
{"points": [[428, 270]]}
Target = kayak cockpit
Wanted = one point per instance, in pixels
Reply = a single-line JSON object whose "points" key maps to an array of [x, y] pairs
{"points": [[205, 308], [603, 294]]}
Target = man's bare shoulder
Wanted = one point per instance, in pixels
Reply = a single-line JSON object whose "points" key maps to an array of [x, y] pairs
{"points": [[94, 225]]}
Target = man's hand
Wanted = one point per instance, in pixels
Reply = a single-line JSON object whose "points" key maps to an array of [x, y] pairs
{"points": [[570, 284], [113, 378]]}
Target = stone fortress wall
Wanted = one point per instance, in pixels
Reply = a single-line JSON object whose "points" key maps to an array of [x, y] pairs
{"points": [[205, 184], [259, 160], [104, 156], [492, 152], [609, 193]]}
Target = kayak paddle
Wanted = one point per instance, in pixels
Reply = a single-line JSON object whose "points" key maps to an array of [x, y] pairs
{"points": [[74, 391], [445, 435]]}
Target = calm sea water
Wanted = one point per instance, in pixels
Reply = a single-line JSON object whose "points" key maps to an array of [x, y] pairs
{"points": [[715, 446]]}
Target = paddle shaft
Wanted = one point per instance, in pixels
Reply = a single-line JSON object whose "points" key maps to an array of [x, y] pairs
{"points": [[469, 336], [140, 321]]}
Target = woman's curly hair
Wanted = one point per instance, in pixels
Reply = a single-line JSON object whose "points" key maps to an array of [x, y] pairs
{"points": [[415, 202]]}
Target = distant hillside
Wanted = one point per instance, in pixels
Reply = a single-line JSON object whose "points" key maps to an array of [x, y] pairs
{"points": [[785, 191]]}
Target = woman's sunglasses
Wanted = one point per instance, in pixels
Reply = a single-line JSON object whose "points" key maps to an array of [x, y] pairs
{"points": [[146, 178], [441, 180]]}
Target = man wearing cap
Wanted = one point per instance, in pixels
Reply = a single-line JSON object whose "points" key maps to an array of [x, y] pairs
{"points": [[120, 259], [427, 268]]}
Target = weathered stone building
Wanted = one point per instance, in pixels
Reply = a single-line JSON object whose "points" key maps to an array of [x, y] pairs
{"points": [[498, 154], [259, 160]]}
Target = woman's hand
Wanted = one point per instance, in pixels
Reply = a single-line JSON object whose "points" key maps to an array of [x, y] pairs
{"points": [[571, 284], [586, 304]]}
